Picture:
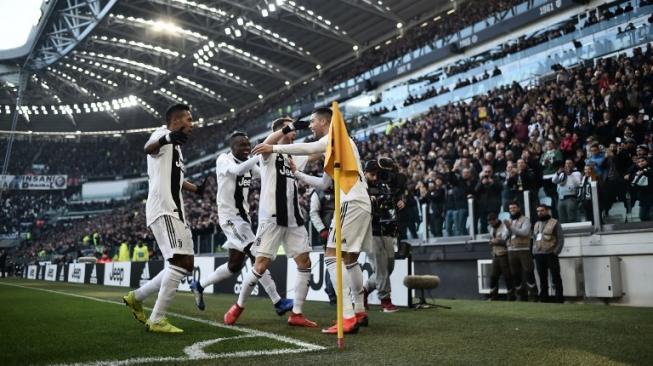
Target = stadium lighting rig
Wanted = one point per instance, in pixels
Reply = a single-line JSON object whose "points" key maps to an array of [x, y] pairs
{"points": [[135, 45], [235, 29], [309, 15], [167, 94], [150, 69], [80, 70], [84, 108], [206, 66], [112, 69], [199, 88], [211, 49], [158, 25]]}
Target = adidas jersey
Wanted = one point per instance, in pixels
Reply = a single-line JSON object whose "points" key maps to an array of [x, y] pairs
{"points": [[233, 187], [165, 171], [279, 202]]}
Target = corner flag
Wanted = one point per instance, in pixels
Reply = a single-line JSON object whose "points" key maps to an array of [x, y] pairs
{"points": [[339, 151], [340, 163]]}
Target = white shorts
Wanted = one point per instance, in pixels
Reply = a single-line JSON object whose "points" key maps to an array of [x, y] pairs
{"points": [[172, 236], [356, 229], [270, 236], [238, 232]]}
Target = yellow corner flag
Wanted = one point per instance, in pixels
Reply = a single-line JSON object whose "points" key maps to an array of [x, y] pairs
{"points": [[339, 151], [340, 163]]}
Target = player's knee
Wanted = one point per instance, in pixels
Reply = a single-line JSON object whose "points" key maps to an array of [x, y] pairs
{"points": [[236, 265], [184, 261], [350, 258], [261, 267], [303, 262]]}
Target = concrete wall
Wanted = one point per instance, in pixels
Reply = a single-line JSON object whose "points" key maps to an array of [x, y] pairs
{"points": [[455, 262]]}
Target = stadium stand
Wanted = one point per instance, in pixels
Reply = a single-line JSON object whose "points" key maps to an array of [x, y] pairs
{"points": [[443, 151]]}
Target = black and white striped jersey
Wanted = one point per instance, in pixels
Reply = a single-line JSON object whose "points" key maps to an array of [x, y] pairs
{"points": [[279, 197], [165, 171], [234, 178]]}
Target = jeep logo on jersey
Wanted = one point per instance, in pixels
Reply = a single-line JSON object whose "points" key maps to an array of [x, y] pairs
{"points": [[117, 274], [180, 162], [286, 172], [245, 182]]}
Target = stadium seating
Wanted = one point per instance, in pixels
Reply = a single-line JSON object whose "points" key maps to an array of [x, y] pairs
{"points": [[439, 143]]}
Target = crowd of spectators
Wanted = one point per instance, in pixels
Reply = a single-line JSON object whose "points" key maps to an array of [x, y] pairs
{"points": [[17, 207], [125, 223], [589, 124]]}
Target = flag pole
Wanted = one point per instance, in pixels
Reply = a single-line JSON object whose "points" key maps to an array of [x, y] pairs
{"points": [[339, 289]]}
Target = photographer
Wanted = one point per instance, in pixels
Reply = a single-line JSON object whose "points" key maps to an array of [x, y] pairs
{"points": [[386, 187]]}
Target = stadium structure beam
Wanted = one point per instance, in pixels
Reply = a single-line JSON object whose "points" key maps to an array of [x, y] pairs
{"points": [[22, 85], [85, 92], [67, 26], [373, 8], [227, 19]]}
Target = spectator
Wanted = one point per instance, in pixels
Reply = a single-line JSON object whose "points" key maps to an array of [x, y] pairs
{"points": [[596, 159], [585, 191], [488, 196], [434, 197], [614, 166], [568, 180], [642, 181], [409, 216]]}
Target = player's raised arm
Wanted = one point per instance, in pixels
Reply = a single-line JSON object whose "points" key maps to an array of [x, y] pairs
{"points": [[177, 137], [235, 168], [289, 128], [197, 189]]}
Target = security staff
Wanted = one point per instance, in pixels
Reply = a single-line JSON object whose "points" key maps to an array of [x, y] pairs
{"points": [[141, 253], [548, 240], [519, 252], [123, 252], [499, 235]]}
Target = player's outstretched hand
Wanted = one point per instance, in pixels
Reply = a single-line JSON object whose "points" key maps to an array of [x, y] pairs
{"points": [[201, 187], [300, 125], [295, 126], [178, 137], [262, 149]]}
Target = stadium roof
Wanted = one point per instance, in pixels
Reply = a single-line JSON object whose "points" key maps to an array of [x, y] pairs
{"points": [[219, 56]]}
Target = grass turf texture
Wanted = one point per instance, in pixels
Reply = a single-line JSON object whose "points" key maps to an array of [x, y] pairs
{"points": [[42, 328]]}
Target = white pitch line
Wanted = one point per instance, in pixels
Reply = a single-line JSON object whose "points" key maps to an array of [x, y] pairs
{"points": [[194, 353]]}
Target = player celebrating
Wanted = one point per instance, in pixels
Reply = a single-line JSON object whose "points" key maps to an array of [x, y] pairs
{"points": [[234, 175], [280, 223], [356, 216], [166, 218]]}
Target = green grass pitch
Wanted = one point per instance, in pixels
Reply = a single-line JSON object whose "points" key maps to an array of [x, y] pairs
{"points": [[45, 323]]}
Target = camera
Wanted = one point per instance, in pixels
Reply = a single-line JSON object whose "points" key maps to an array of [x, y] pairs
{"points": [[385, 192]]}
